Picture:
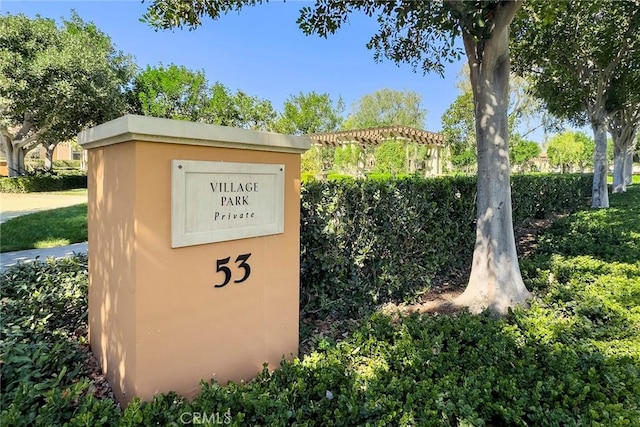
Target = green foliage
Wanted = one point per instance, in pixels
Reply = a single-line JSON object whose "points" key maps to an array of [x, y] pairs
{"points": [[366, 242], [522, 152], [176, 92], [59, 165], [570, 149], [173, 92], [55, 227], [391, 157], [610, 235], [387, 107], [346, 158], [381, 108], [573, 358], [42, 183], [309, 113], [306, 114], [45, 364], [458, 128], [575, 80]]}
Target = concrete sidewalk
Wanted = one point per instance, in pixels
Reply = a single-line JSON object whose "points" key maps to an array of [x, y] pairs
{"points": [[16, 204], [8, 259]]}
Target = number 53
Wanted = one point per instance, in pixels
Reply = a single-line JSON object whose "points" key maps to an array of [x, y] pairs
{"points": [[221, 266]]}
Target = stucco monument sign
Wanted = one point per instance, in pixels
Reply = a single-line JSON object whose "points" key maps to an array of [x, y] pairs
{"points": [[194, 246]]}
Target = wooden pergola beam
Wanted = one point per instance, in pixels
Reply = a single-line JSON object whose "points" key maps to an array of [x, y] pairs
{"points": [[375, 136]]}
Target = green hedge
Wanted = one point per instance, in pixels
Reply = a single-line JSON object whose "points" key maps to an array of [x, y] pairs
{"points": [[57, 164], [366, 242], [40, 183]]}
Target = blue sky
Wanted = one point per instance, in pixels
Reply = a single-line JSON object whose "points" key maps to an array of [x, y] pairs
{"points": [[261, 51]]}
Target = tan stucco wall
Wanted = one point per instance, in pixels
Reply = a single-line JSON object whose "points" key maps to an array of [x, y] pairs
{"points": [[157, 323], [112, 261]]}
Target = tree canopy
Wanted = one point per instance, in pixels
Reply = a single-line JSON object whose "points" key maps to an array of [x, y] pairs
{"points": [[387, 107], [55, 81], [310, 113], [523, 152], [171, 92], [175, 92]]}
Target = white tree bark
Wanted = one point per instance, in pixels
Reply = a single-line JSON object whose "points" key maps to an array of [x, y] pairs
{"points": [[619, 162], [19, 144], [623, 126], [48, 159], [495, 282], [600, 194], [628, 164]]}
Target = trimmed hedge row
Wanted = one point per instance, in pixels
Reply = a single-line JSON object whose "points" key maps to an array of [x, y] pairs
{"points": [[41, 183], [367, 242]]}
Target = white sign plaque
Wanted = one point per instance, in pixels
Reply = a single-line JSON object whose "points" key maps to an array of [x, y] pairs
{"points": [[219, 201]]}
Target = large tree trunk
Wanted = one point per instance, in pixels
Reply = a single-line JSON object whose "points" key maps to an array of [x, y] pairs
{"points": [[48, 158], [495, 282], [8, 152], [600, 195], [619, 160], [628, 165], [623, 126], [15, 163]]}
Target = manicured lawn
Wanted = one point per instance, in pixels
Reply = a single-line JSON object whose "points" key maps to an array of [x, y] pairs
{"points": [[55, 227], [572, 358]]}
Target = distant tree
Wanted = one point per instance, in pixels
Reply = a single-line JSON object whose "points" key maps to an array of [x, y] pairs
{"points": [[624, 127], [311, 113], [623, 106], [387, 107], [349, 158], [172, 92], [175, 92], [570, 149], [572, 51], [424, 34], [523, 152], [252, 112], [55, 81], [459, 130]]}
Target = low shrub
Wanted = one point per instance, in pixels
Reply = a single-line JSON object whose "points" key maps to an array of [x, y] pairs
{"points": [[42, 183]]}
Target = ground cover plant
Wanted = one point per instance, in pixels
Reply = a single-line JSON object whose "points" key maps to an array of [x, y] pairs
{"points": [[573, 358], [55, 227]]}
